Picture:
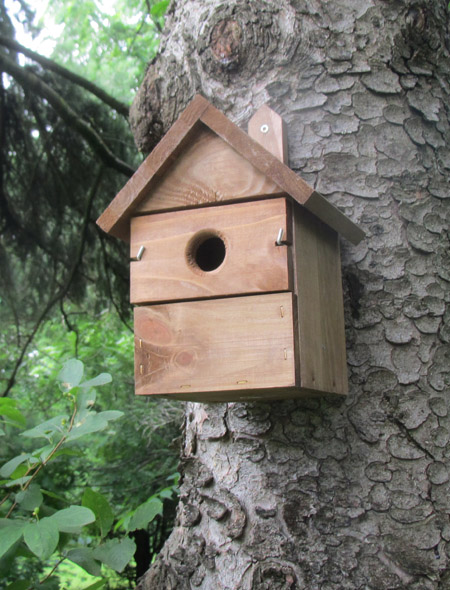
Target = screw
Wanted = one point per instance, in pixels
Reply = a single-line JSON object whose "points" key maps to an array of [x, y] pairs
{"points": [[264, 128]]}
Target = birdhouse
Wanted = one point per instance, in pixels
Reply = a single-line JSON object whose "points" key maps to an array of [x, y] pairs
{"points": [[235, 265]]}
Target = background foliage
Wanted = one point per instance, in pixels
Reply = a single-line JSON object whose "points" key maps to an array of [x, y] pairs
{"points": [[65, 150]]}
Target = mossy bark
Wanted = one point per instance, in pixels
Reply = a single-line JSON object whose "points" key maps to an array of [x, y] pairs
{"points": [[329, 494]]}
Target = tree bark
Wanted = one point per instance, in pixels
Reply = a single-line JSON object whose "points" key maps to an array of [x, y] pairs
{"points": [[329, 494]]}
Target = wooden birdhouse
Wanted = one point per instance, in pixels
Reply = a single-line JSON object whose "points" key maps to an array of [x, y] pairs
{"points": [[235, 265]]}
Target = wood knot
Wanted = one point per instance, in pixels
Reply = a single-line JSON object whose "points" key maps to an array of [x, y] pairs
{"points": [[225, 42]]}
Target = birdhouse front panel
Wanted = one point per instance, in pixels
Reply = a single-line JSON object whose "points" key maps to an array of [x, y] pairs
{"points": [[216, 349], [211, 252]]}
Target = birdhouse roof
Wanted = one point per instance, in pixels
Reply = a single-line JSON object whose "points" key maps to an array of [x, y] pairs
{"points": [[115, 219]]}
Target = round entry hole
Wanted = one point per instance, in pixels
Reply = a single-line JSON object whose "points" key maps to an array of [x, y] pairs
{"points": [[206, 251]]}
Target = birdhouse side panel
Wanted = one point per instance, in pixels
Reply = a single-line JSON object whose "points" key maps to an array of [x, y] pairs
{"points": [[322, 354], [211, 252], [242, 343]]}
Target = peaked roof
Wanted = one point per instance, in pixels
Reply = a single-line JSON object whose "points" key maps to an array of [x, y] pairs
{"points": [[115, 219]]}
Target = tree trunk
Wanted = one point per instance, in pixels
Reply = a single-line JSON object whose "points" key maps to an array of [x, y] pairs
{"points": [[348, 493]]}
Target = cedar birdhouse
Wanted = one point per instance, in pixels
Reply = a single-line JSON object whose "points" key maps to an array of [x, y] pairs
{"points": [[235, 265]]}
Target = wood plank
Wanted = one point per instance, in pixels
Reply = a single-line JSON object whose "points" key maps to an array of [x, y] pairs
{"points": [[208, 171], [320, 308], [115, 219], [253, 263], [242, 343], [269, 130]]}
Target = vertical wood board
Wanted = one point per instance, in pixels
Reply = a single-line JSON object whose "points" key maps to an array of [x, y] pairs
{"points": [[253, 262], [269, 130], [208, 171], [242, 343], [322, 353]]}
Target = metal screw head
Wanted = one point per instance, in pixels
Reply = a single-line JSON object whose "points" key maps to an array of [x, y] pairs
{"points": [[264, 128]]}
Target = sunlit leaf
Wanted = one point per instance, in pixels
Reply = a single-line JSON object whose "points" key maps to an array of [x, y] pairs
{"points": [[41, 537]]}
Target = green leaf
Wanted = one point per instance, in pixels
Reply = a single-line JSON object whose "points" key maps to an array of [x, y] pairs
{"points": [[42, 537], [47, 428], [54, 496], [30, 498], [84, 557], [144, 514], [72, 519], [16, 417], [8, 468], [71, 374], [101, 508], [20, 585], [116, 553], [93, 423], [96, 585], [2, 432], [159, 8], [101, 379], [18, 482], [10, 533]]}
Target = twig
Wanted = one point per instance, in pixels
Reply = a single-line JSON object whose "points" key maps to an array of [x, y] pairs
{"points": [[44, 463], [58, 563]]}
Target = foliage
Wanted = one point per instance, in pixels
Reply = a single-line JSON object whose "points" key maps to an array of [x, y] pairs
{"points": [[110, 42], [39, 523], [65, 150]]}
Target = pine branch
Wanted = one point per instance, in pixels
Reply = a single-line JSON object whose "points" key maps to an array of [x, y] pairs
{"points": [[51, 65], [63, 290], [33, 83]]}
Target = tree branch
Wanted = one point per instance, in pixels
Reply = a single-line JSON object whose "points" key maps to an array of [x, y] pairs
{"points": [[32, 82], [51, 65]]}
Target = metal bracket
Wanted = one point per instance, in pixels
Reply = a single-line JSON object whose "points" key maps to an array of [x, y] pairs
{"points": [[139, 254], [279, 241]]}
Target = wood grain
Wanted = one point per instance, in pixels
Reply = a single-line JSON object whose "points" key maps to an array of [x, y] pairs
{"points": [[242, 343], [253, 262], [322, 354], [208, 171], [269, 130]]}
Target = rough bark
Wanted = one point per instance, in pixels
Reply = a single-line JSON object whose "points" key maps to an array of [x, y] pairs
{"points": [[329, 494]]}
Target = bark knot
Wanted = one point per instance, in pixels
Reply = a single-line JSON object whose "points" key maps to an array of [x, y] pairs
{"points": [[226, 42]]}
